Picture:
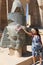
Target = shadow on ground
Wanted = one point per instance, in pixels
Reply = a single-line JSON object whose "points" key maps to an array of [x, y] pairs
{"points": [[27, 54]]}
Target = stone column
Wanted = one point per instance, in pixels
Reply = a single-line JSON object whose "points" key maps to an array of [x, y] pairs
{"points": [[10, 2], [3, 15], [35, 14], [0, 15], [40, 3]]}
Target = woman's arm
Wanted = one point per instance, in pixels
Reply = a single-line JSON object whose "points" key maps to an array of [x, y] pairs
{"points": [[29, 33]]}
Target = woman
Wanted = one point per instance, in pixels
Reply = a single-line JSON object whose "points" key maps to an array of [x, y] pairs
{"points": [[36, 44]]}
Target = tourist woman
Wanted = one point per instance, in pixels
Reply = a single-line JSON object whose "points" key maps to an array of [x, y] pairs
{"points": [[36, 44]]}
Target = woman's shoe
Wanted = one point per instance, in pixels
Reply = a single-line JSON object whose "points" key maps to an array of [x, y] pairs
{"points": [[33, 64]]}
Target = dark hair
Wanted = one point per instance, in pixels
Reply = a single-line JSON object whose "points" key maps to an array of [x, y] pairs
{"points": [[38, 34], [37, 31]]}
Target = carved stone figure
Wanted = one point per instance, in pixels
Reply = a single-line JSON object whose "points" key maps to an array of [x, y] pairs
{"points": [[11, 36]]}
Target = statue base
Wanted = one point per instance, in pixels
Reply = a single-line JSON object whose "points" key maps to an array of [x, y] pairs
{"points": [[18, 52], [15, 52]]}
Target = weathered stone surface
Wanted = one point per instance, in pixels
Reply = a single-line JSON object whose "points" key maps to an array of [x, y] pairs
{"points": [[14, 38], [18, 18], [35, 14], [10, 5], [33, 11], [3, 14], [0, 14]]}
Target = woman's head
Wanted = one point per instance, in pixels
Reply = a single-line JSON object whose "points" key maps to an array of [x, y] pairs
{"points": [[35, 31]]}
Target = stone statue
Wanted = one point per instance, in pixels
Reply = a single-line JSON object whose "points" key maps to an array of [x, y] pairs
{"points": [[16, 4], [16, 35], [13, 35]]}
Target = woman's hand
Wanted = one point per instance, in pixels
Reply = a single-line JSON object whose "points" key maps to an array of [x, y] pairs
{"points": [[23, 29], [29, 33]]}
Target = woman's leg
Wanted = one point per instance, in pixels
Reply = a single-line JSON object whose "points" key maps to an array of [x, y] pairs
{"points": [[40, 58], [34, 56], [34, 60]]}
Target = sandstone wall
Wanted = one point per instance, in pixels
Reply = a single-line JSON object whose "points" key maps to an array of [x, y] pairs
{"points": [[3, 14]]}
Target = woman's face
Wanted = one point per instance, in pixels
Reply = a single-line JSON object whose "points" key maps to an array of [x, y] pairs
{"points": [[33, 31]]}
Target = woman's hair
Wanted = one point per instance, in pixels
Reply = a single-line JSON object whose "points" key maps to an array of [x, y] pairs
{"points": [[37, 31], [38, 34]]}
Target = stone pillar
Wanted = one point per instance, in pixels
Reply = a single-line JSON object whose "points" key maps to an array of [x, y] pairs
{"points": [[40, 3], [3, 16], [35, 14], [0, 15], [10, 2]]}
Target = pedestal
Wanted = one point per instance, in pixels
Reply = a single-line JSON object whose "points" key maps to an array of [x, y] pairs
{"points": [[18, 52], [11, 51], [24, 49]]}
